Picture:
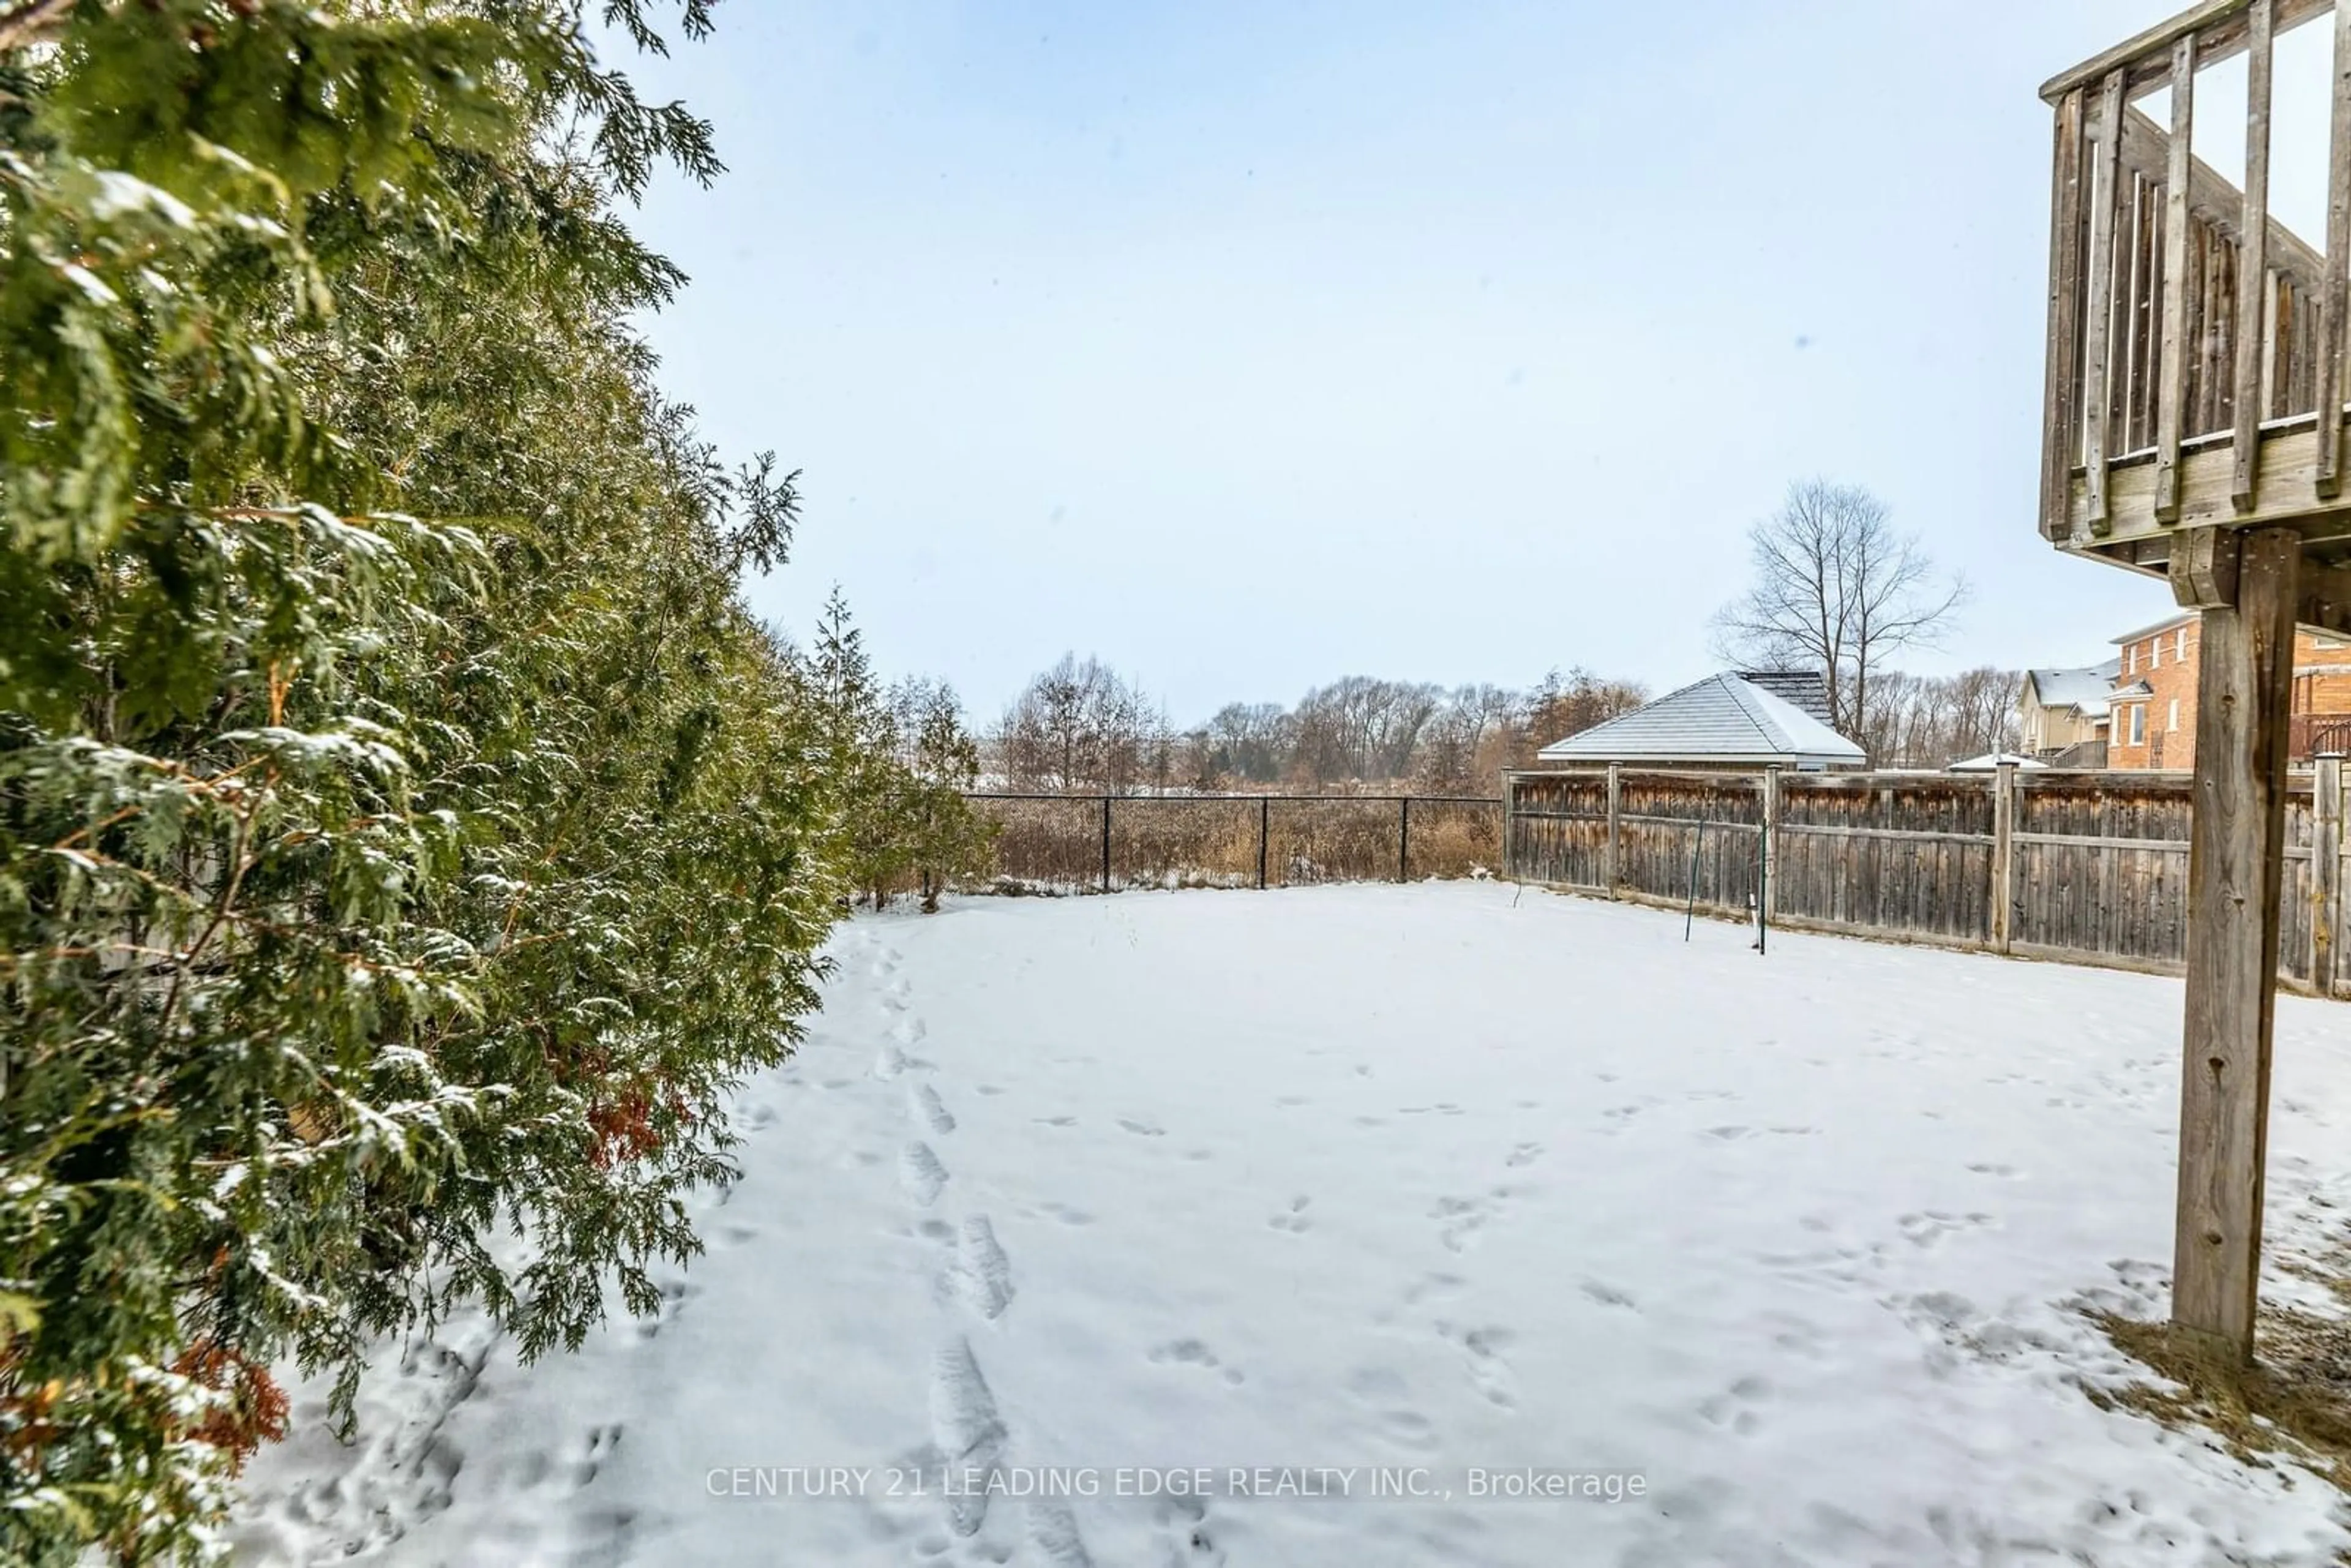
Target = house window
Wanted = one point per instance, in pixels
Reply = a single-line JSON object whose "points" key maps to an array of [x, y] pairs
{"points": [[2138, 723], [2174, 724], [2155, 652], [2179, 645], [2134, 658]]}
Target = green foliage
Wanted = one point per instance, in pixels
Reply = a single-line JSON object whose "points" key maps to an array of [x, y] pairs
{"points": [[903, 759], [404, 830]]}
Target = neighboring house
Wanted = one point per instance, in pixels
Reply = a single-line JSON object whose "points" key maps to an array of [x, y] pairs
{"points": [[1723, 721], [2061, 714], [2154, 700]]}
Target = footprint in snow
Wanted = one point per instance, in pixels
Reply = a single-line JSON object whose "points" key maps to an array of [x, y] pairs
{"points": [[1462, 1219], [600, 1443], [965, 1430], [922, 1173], [1488, 1373], [1294, 1220], [1524, 1155], [1142, 1128], [1736, 1406], [927, 1104], [983, 1273], [1191, 1352], [674, 1294], [1928, 1229], [1053, 1531]]}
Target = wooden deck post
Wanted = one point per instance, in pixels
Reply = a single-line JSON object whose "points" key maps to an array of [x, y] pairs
{"points": [[2003, 854], [2244, 584], [1608, 865], [2325, 871], [2061, 412]]}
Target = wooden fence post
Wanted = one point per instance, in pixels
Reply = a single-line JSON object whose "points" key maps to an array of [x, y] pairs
{"points": [[2244, 584], [2325, 871], [1767, 851], [2003, 854], [1264, 835], [1403, 841], [1608, 851]]}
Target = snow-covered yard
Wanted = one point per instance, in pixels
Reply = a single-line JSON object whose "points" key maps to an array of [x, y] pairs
{"points": [[1330, 1190]]}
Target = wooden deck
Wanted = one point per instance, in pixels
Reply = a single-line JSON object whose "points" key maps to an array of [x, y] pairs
{"points": [[2196, 345], [2194, 427]]}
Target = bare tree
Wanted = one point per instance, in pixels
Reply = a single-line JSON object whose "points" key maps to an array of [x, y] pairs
{"points": [[1838, 590], [1079, 726], [1928, 721], [1570, 703]]}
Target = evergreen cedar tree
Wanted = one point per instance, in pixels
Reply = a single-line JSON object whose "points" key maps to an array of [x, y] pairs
{"points": [[405, 831]]}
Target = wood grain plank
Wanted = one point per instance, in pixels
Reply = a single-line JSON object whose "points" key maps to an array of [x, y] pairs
{"points": [[2244, 689], [2097, 362], [2332, 299], [2173, 394], [2252, 254]]}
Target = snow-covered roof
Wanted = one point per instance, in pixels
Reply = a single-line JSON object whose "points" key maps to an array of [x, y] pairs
{"points": [[2086, 689], [1721, 718], [1993, 759], [1804, 688]]}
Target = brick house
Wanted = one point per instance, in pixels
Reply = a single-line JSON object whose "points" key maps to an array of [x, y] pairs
{"points": [[2153, 705]]}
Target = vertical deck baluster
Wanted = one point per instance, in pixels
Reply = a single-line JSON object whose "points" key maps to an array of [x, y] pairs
{"points": [[2132, 344], [2173, 403], [2097, 357], [2331, 302], [2062, 398], [2252, 254]]}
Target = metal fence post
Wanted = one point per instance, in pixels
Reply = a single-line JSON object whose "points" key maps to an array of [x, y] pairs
{"points": [[1264, 835], [1403, 842], [1105, 887]]}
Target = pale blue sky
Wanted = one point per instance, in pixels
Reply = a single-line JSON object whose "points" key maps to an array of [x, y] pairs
{"points": [[1251, 345]]}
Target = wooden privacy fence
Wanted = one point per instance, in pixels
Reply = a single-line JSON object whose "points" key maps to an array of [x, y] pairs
{"points": [[2090, 867], [1079, 843]]}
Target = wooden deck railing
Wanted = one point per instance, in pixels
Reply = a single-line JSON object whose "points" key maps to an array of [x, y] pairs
{"points": [[2195, 369]]}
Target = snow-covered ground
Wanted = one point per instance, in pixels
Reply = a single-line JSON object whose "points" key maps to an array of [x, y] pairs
{"points": [[1331, 1190]]}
